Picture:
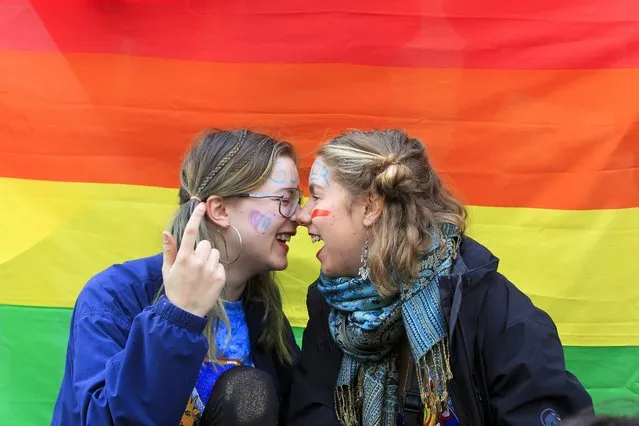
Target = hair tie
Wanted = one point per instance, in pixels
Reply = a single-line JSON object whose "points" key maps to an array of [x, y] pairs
{"points": [[195, 197], [388, 161]]}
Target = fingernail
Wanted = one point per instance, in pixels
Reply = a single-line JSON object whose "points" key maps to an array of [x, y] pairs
{"points": [[165, 237], [200, 207]]}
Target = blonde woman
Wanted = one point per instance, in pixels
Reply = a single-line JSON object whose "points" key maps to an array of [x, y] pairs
{"points": [[151, 337], [410, 322]]}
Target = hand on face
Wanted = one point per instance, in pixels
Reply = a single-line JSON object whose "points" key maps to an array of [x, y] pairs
{"points": [[193, 276]]}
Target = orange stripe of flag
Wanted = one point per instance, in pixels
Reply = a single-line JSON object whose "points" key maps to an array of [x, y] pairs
{"points": [[550, 139]]}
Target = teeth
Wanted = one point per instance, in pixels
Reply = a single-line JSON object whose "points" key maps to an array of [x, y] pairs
{"points": [[316, 238], [283, 237]]}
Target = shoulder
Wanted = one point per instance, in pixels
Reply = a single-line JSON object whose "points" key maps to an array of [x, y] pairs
{"points": [[315, 302], [317, 329], [491, 291], [504, 305], [126, 288], [501, 312], [317, 335]]}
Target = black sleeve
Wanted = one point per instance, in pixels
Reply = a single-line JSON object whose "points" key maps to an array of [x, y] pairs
{"points": [[524, 364], [314, 378]]}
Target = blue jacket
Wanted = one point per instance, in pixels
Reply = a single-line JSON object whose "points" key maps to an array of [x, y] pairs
{"points": [[130, 361], [506, 357]]}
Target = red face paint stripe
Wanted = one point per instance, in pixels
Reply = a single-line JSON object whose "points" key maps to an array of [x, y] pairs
{"points": [[319, 212]]}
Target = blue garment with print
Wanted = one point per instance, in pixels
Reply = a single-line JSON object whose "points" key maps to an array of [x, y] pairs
{"points": [[236, 350]]}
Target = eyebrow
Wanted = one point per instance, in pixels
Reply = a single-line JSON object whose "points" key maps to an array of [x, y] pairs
{"points": [[314, 187]]}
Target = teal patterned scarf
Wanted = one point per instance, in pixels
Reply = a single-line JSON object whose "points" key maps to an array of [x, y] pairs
{"points": [[367, 328]]}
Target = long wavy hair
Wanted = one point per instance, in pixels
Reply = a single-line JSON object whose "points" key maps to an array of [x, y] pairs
{"points": [[395, 167], [224, 163]]}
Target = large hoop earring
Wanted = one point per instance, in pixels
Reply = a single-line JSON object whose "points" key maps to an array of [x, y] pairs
{"points": [[226, 249]]}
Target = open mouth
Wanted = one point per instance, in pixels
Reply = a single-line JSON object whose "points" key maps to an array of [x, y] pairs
{"points": [[283, 240], [315, 239]]}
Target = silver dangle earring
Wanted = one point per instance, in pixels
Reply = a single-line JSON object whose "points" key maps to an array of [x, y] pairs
{"points": [[364, 270]]}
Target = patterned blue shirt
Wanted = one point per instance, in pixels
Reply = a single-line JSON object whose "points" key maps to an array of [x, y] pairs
{"points": [[236, 350]]}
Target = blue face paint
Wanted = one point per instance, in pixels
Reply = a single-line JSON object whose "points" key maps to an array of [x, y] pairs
{"points": [[260, 222], [319, 174], [278, 175]]}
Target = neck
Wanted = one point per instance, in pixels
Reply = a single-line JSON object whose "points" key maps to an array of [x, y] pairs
{"points": [[235, 283]]}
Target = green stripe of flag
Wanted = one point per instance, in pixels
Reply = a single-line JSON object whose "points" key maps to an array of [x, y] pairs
{"points": [[33, 345]]}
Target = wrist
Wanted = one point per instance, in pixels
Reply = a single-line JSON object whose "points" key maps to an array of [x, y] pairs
{"points": [[178, 316], [188, 307]]}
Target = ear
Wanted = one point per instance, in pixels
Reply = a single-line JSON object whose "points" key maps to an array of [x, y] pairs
{"points": [[372, 209], [217, 211]]}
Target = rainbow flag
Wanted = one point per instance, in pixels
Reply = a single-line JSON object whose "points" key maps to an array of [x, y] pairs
{"points": [[529, 110]]}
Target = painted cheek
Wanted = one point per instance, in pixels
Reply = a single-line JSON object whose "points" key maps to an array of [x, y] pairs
{"points": [[320, 213], [260, 222]]}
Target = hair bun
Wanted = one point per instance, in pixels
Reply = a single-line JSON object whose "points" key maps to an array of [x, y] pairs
{"points": [[391, 180]]}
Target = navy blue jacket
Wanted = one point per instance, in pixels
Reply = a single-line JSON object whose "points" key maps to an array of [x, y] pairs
{"points": [[506, 357], [130, 361]]}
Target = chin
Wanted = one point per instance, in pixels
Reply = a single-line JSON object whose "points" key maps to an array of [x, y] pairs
{"points": [[278, 265], [331, 273], [337, 272]]}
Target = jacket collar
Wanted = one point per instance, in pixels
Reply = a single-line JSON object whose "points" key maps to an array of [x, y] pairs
{"points": [[473, 263]]}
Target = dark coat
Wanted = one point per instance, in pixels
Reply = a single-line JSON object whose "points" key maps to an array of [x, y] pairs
{"points": [[506, 357]]}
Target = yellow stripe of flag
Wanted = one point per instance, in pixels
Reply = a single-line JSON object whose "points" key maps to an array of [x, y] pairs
{"points": [[581, 266]]}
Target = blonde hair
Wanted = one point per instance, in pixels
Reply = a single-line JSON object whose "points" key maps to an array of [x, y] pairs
{"points": [[395, 167], [226, 163]]}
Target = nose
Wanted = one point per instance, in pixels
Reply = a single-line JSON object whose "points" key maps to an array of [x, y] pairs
{"points": [[302, 215]]}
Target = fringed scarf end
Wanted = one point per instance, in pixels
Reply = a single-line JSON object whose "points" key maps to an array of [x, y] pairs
{"points": [[433, 374], [347, 405]]}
